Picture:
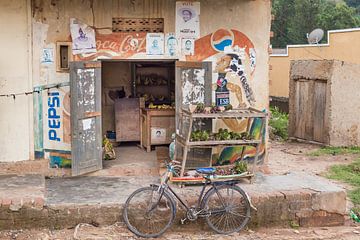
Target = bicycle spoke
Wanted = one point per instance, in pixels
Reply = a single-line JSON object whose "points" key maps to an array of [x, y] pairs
{"points": [[228, 208]]}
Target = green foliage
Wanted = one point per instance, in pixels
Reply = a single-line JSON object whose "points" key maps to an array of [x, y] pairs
{"points": [[295, 18], [279, 122], [240, 167], [335, 151], [337, 17], [349, 174]]}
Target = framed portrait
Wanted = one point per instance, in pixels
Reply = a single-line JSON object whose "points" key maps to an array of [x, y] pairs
{"points": [[187, 46], [155, 44]]}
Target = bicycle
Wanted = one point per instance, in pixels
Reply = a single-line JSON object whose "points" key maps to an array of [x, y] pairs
{"points": [[150, 211]]}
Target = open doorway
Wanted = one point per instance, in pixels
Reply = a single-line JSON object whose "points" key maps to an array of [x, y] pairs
{"points": [[138, 113]]}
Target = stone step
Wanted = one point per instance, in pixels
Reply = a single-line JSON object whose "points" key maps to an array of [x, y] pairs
{"points": [[280, 200]]}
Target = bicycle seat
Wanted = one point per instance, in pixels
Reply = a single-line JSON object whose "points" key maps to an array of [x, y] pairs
{"points": [[208, 170]]}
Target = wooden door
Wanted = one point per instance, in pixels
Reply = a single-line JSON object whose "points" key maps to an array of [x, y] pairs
{"points": [[85, 94], [192, 86], [310, 110]]}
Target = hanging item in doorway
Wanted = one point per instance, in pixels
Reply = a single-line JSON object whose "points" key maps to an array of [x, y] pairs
{"points": [[83, 37], [171, 45], [155, 44], [187, 46], [187, 19]]}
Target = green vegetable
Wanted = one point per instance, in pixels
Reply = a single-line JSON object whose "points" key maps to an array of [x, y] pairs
{"points": [[240, 167]]}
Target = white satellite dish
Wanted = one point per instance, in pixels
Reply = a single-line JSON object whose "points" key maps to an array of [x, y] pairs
{"points": [[315, 36]]}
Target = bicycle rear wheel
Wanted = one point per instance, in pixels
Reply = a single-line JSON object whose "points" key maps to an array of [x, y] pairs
{"points": [[228, 209], [148, 212]]}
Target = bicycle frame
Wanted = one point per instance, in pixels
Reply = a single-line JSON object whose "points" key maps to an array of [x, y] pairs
{"points": [[165, 187]]}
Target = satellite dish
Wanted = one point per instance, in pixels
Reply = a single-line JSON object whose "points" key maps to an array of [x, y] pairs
{"points": [[315, 36]]}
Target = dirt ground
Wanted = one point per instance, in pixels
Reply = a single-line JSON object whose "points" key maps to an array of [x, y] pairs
{"points": [[283, 158], [287, 157], [119, 231]]}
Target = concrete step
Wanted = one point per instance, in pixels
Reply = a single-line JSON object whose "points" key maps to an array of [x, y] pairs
{"points": [[65, 202]]}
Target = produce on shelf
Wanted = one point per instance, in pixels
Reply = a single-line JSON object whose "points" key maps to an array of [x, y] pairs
{"points": [[239, 168], [201, 108], [221, 135], [162, 106]]}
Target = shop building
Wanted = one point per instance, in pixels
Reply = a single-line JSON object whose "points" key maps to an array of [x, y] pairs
{"points": [[96, 67]]}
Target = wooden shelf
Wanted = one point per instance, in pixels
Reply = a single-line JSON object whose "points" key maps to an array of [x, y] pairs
{"points": [[236, 113], [183, 137], [216, 142]]}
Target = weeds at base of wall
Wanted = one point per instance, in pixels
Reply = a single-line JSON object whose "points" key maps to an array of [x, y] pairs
{"points": [[334, 151], [349, 174], [278, 123]]}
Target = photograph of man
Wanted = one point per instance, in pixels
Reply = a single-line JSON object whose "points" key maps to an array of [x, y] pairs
{"points": [[188, 46], [186, 15], [171, 45], [155, 44], [187, 19]]}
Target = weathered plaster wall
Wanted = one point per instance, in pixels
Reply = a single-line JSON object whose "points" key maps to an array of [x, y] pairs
{"points": [[15, 114], [252, 19], [345, 108]]}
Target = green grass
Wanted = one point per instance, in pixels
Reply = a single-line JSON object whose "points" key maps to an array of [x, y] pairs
{"points": [[335, 151], [349, 174], [279, 122]]}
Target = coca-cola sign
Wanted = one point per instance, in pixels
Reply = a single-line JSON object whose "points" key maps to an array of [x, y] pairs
{"points": [[116, 46]]}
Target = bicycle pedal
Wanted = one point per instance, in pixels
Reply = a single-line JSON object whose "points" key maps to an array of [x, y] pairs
{"points": [[183, 221]]}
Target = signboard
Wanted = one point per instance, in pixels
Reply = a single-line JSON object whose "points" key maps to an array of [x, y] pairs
{"points": [[116, 46], [56, 119]]}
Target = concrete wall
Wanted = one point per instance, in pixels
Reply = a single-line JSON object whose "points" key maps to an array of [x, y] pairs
{"points": [[343, 45], [344, 122], [15, 77]]}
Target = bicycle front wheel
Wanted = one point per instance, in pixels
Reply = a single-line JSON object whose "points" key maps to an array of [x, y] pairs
{"points": [[148, 212], [228, 209]]}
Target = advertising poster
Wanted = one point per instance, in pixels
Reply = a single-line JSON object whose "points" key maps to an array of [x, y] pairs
{"points": [[56, 119], [187, 19], [47, 56], [155, 44], [83, 37], [171, 45], [187, 46]]}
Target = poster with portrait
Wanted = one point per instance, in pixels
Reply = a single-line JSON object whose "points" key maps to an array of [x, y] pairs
{"points": [[155, 44], [187, 46], [171, 45], [83, 37], [187, 19], [47, 56]]}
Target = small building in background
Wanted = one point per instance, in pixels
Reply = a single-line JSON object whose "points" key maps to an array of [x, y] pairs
{"points": [[324, 102], [343, 45]]}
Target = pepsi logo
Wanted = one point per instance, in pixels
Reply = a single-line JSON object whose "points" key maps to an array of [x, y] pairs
{"points": [[221, 39]]}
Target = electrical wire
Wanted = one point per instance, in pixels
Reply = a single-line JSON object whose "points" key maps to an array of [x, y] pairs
{"points": [[13, 95]]}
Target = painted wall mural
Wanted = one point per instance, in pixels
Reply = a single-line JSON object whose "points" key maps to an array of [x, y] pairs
{"points": [[234, 62]]}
